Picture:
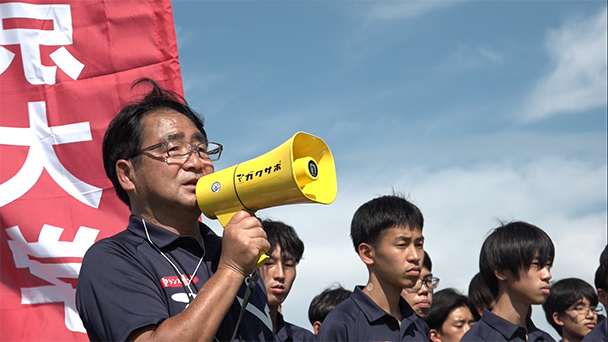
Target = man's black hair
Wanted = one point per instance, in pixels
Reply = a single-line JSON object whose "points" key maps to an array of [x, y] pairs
{"points": [[427, 263], [326, 301], [564, 294], [479, 293], [601, 274], [512, 247], [444, 302], [285, 236], [373, 218], [124, 135]]}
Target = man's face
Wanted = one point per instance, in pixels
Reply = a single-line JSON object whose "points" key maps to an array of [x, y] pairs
{"points": [[533, 285], [397, 259], [578, 324], [420, 297], [168, 187], [278, 273], [458, 322]]}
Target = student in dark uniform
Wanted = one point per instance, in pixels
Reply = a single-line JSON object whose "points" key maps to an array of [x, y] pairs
{"points": [[420, 297], [515, 263], [600, 332], [387, 235], [323, 303], [279, 273], [168, 277], [571, 309], [480, 297], [450, 317]]}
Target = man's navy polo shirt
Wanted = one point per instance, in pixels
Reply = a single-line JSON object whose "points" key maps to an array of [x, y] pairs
{"points": [[599, 333], [495, 328], [358, 318], [126, 284], [288, 332]]}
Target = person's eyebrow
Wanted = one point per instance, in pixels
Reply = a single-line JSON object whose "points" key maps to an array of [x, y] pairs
{"points": [[175, 136]]}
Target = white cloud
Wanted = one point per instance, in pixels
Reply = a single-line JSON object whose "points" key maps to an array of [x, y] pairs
{"points": [[467, 58], [405, 9], [577, 81]]}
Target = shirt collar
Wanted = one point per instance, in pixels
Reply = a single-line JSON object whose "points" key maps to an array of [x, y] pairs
{"points": [[373, 312], [506, 328], [163, 238]]}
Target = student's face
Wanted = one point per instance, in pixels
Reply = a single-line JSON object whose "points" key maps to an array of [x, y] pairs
{"points": [[533, 284], [278, 273], [167, 188], [421, 299], [398, 257], [576, 325], [458, 322]]}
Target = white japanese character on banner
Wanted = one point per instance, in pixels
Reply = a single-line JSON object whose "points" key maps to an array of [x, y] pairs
{"points": [[30, 40], [41, 138], [49, 246]]}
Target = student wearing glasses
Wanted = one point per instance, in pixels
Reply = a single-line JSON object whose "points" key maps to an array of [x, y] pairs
{"points": [[571, 309], [169, 277], [387, 235], [420, 297]]}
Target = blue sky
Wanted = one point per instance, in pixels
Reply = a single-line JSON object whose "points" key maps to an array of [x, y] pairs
{"points": [[478, 111]]}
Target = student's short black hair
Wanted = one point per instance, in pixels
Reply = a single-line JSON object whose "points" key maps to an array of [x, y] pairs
{"points": [[124, 134], [326, 301], [512, 247], [285, 236], [563, 295], [444, 302], [427, 263], [373, 218], [602, 271], [479, 293]]}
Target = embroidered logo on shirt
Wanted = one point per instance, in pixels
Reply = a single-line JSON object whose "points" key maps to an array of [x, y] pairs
{"points": [[174, 281]]}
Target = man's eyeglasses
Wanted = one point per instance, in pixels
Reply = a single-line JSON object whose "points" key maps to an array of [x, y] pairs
{"points": [[178, 151], [430, 283], [584, 310]]}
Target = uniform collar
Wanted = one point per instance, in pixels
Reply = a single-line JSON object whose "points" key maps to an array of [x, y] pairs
{"points": [[373, 312]]}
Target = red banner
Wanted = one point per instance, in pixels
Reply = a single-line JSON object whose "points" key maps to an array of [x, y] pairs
{"points": [[65, 69]]}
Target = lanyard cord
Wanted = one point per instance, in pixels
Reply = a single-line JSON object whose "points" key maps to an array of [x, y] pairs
{"points": [[253, 280], [177, 272]]}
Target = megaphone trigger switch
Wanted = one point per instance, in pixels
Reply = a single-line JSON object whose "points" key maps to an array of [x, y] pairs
{"points": [[313, 169]]}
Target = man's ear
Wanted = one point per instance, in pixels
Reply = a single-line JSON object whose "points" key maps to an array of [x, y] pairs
{"points": [[315, 327], [557, 318], [125, 173], [435, 336], [602, 296], [501, 275], [366, 253]]}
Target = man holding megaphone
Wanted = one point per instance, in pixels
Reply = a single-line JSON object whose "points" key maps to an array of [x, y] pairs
{"points": [[168, 276]]}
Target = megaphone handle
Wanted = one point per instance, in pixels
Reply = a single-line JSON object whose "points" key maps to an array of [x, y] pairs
{"points": [[224, 218], [262, 258]]}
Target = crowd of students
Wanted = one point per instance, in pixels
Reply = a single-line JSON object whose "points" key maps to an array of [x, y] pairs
{"points": [[399, 302]]}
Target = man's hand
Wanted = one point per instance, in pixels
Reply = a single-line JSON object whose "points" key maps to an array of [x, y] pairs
{"points": [[243, 240]]}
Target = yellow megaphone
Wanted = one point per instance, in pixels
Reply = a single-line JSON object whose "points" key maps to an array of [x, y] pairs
{"points": [[301, 170]]}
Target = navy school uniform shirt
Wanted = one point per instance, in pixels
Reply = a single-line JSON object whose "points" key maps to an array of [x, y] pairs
{"points": [[495, 328], [288, 332], [125, 283], [358, 318]]}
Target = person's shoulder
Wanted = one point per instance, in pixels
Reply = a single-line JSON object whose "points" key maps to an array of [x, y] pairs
{"points": [[481, 331], [300, 334]]}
